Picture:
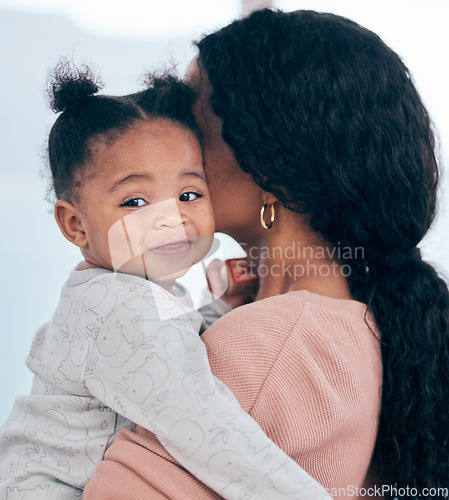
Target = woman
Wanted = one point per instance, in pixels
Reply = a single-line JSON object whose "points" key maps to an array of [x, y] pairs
{"points": [[314, 119]]}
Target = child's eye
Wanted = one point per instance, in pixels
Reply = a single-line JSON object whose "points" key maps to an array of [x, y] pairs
{"points": [[190, 196], [134, 202]]}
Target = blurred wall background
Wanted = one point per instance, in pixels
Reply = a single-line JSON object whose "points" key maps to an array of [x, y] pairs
{"points": [[122, 40]]}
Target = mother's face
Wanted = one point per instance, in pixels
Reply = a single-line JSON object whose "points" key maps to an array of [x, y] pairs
{"points": [[236, 198]]}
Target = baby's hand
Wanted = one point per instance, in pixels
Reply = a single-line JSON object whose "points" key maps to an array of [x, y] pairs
{"points": [[232, 281]]}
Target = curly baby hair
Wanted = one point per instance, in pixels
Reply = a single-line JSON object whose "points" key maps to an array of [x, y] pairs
{"points": [[325, 116], [86, 117]]}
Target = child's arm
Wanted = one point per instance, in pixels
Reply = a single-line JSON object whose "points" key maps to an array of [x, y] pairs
{"points": [[160, 378], [213, 311], [230, 285]]}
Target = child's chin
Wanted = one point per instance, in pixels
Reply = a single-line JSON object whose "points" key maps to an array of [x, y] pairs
{"points": [[163, 269], [169, 277]]}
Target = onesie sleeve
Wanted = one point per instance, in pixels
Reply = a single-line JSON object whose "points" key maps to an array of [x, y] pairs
{"points": [[149, 364], [213, 311]]}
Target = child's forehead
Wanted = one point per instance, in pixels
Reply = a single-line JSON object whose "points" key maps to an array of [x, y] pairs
{"points": [[159, 148], [156, 127]]}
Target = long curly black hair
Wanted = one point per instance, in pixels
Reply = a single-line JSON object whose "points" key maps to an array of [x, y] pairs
{"points": [[325, 116]]}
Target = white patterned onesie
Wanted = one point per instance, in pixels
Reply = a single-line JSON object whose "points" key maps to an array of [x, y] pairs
{"points": [[120, 349]]}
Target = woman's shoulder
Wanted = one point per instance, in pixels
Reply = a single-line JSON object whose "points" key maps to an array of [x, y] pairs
{"points": [[308, 331], [260, 327], [301, 312]]}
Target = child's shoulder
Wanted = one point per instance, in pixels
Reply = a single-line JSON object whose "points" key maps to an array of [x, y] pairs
{"points": [[120, 283], [126, 295]]}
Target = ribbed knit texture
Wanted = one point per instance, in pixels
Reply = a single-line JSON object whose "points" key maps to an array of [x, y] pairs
{"points": [[306, 367]]}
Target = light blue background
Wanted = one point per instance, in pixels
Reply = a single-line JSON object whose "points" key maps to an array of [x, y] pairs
{"points": [[35, 258]]}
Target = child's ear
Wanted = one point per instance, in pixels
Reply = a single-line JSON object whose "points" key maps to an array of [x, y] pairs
{"points": [[69, 222]]}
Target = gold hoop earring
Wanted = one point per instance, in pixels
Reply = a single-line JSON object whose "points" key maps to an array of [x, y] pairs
{"points": [[262, 215]]}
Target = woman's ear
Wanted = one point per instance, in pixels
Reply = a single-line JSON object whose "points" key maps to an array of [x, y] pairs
{"points": [[70, 223], [268, 198]]}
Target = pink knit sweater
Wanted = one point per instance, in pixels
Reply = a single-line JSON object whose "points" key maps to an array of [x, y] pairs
{"points": [[306, 367]]}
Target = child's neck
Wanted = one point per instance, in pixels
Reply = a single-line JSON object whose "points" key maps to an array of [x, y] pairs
{"points": [[167, 285], [84, 264]]}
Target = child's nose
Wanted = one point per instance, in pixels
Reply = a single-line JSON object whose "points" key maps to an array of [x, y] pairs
{"points": [[168, 220], [167, 215]]}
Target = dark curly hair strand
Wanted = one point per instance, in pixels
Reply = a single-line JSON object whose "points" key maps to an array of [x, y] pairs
{"points": [[330, 122]]}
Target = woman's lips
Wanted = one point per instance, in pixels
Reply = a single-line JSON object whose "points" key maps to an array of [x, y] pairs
{"points": [[173, 249]]}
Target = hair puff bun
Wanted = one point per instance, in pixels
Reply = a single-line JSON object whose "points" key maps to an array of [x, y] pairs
{"points": [[68, 86]]}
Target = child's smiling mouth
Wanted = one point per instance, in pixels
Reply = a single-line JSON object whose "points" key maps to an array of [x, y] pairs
{"points": [[174, 248]]}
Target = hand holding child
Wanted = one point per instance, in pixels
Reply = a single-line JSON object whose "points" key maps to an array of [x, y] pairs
{"points": [[232, 281]]}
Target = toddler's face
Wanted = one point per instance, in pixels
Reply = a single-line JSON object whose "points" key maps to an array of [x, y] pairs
{"points": [[145, 202]]}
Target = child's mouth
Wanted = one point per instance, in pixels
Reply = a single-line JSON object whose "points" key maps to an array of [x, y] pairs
{"points": [[174, 248]]}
